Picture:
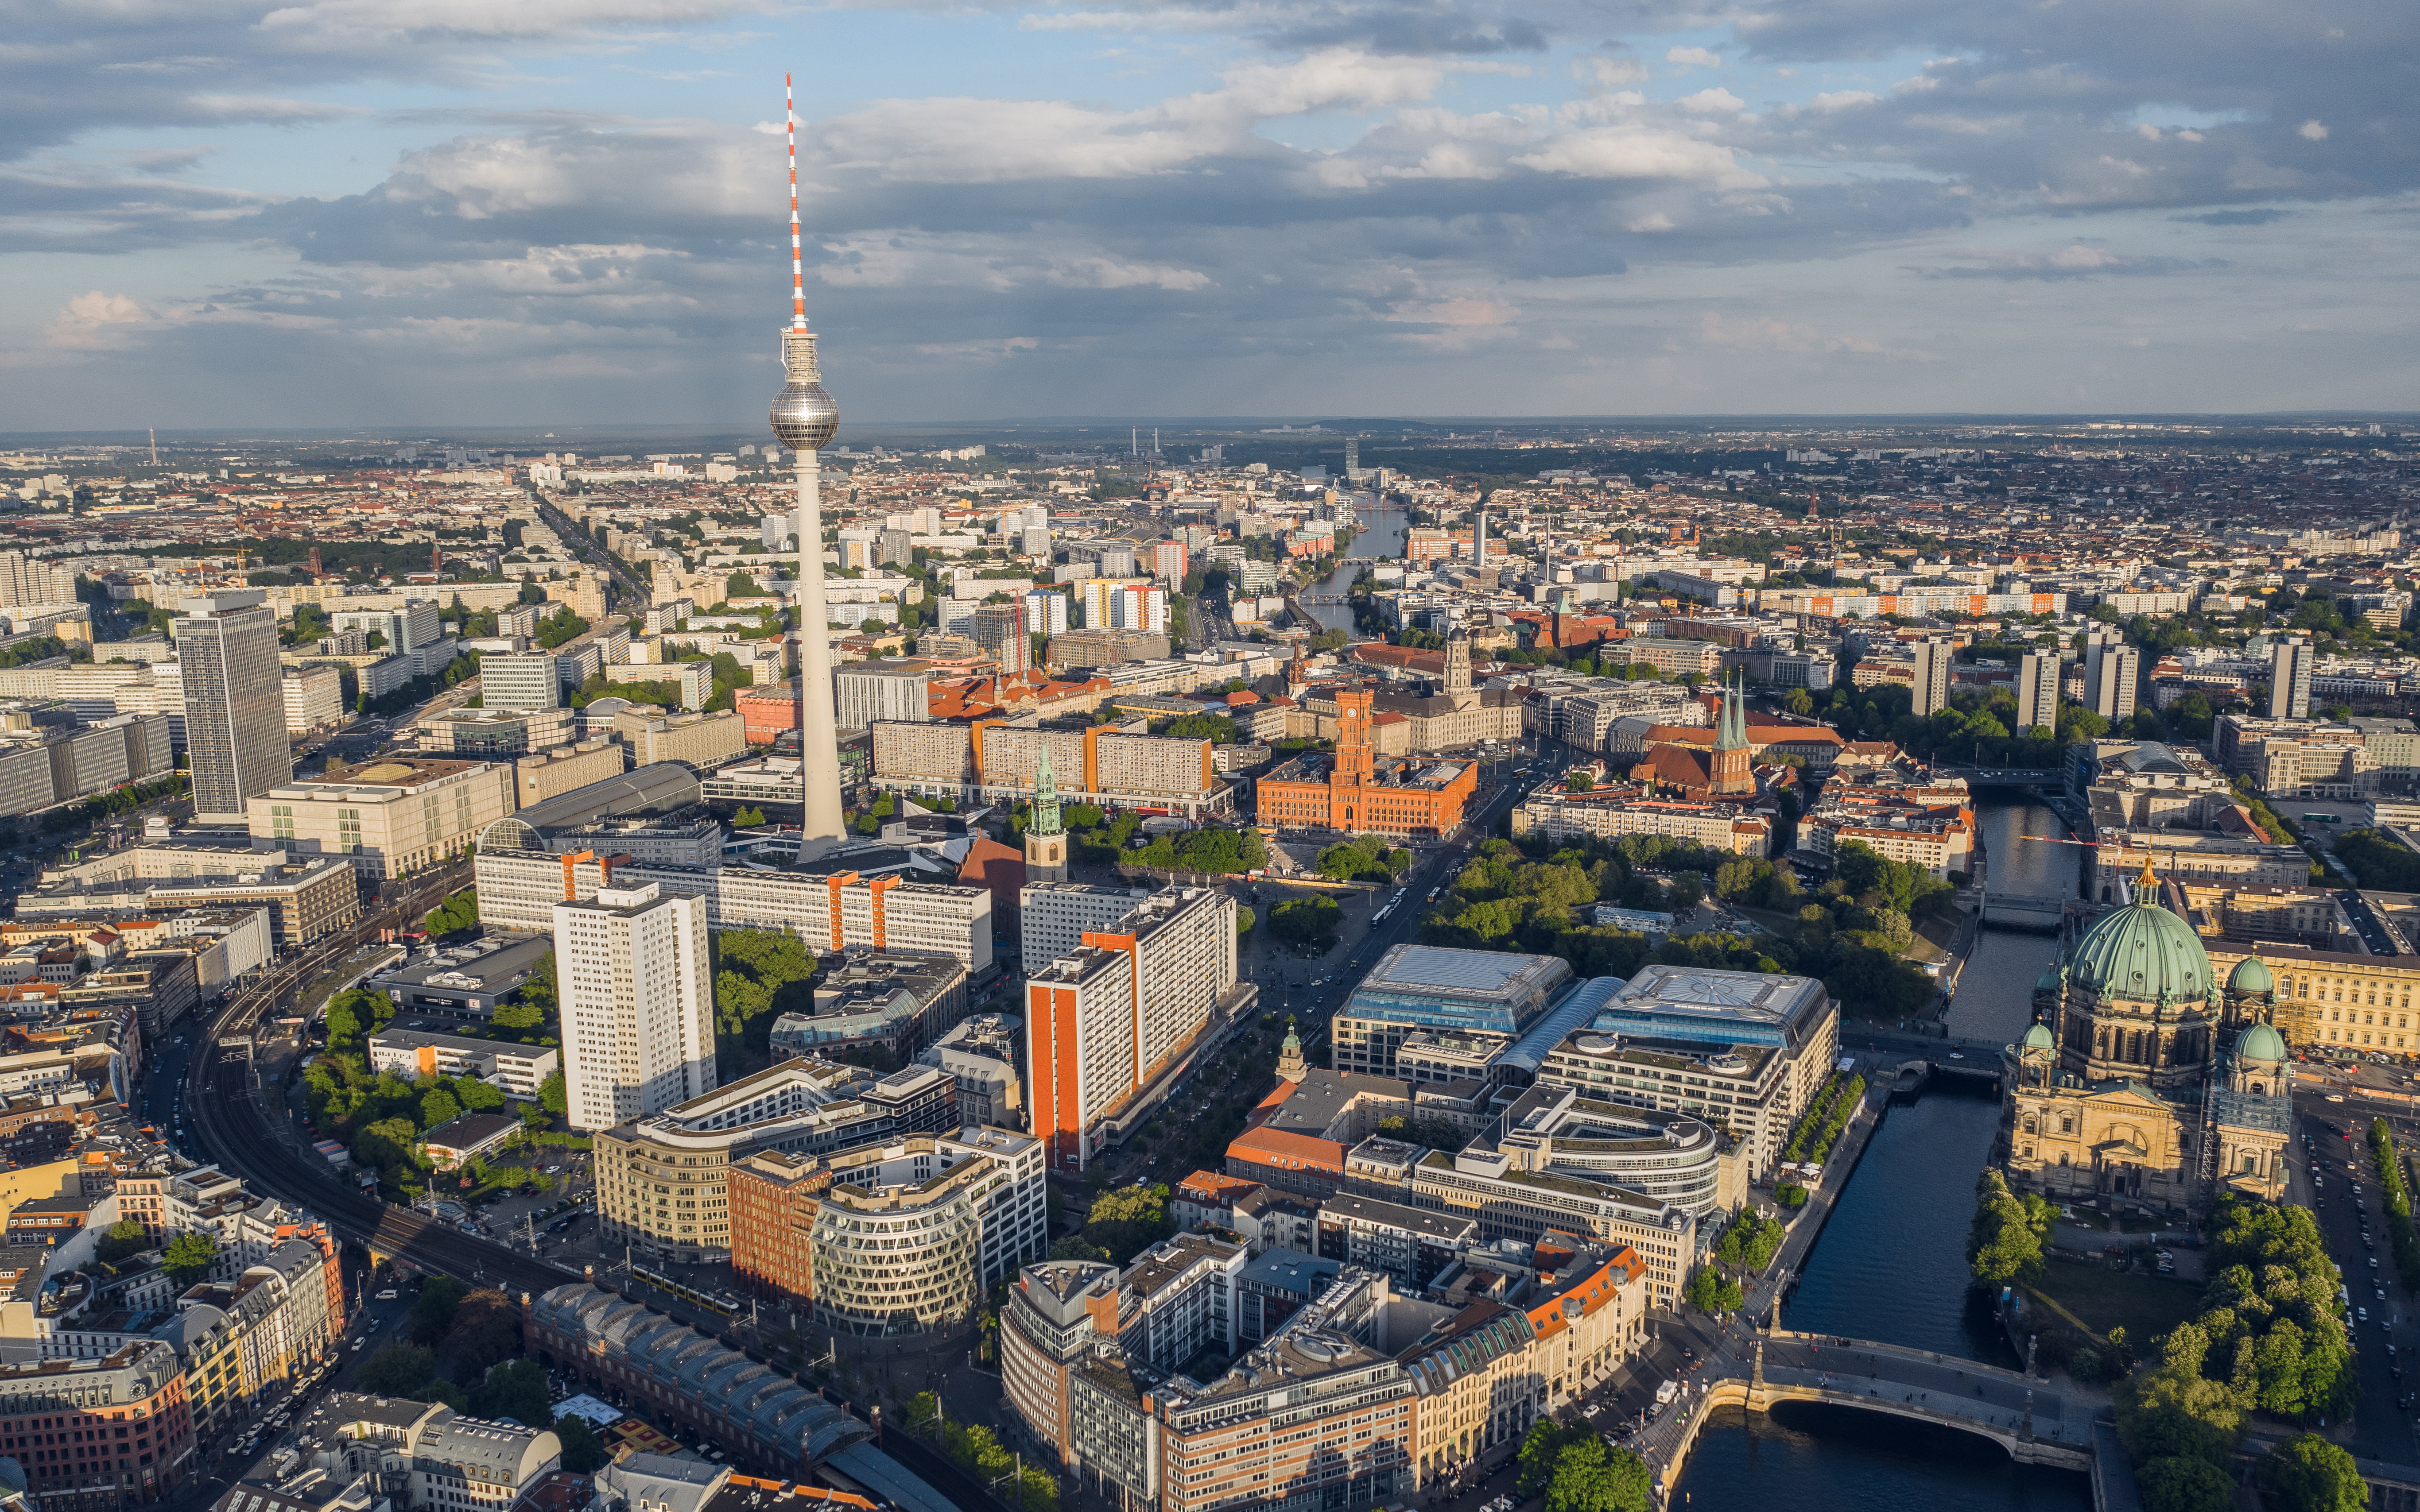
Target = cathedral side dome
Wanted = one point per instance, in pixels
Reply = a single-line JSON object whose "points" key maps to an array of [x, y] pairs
{"points": [[2142, 951], [2251, 974], [2261, 1043], [2039, 1038]]}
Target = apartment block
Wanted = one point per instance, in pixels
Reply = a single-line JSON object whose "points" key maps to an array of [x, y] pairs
{"points": [[314, 699], [632, 974], [1105, 1021], [527, 681]]}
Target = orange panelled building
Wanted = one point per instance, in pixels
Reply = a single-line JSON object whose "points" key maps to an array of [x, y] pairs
{"points": [[1351, 790], [773, 1197]]}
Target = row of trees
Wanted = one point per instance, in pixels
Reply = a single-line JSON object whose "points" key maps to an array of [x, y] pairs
{"points": [[759, 975], [460, 1347], [1530, 897], [1119, 1226], [1364, 859], [457, 914], [1575, 1470], [2269, 1338]]}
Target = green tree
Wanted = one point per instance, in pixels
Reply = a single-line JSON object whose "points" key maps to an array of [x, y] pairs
{"points": [[1591, 1477], [2175, 1483], [1306, 920], [550, 1095], [456, 915], [188, 1258], [582, 1453], [2004, 1242], [397, 1370], [1710, 1290], [437, 1107], [2307, 1473], [515, 1389], [1539, 1450], [748, 818], [126, 1238], [432, 1311]]}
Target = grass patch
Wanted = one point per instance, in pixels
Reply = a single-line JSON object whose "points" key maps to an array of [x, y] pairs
{"points": [[2147, 1307]]}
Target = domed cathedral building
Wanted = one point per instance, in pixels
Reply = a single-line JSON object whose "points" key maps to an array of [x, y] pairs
{"points": [[2143, 1080]]}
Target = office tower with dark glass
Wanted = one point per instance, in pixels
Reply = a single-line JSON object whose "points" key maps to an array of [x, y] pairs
{"points": [[235, 704]]}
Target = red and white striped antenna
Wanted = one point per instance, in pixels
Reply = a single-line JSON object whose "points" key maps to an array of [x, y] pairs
{"points": [[798, 267]]}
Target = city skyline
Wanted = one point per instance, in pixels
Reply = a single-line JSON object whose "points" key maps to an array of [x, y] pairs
{"points": [[323, 215]]}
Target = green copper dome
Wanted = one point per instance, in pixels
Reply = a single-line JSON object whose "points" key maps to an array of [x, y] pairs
{"points": [[2261, 1043], [2048, 980], [2251, 975], [2142, 951], [2038, 1038]]}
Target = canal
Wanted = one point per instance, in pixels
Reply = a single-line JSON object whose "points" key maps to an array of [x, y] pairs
{"points": [[1891, 1265]]}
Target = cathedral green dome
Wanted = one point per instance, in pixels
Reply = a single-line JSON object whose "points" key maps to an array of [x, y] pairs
{"points": [[2251, 975], [2038, 1038], [2142, 951], [2261, 1043], [2048, 980]]}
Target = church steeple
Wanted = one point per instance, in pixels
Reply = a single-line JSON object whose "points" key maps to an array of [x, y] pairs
{"points": [[1046, 836], [1731, 726]]}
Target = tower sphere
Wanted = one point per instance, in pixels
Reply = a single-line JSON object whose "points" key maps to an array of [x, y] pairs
{"points": [[804, 417]]}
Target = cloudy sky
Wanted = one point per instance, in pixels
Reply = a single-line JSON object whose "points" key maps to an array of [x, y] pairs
{"points": [[269, 213]]}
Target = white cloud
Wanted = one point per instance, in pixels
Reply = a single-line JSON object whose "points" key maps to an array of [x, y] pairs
{"points": [[97, 320], [1842, 99], [1632, 152], [1715, 101], [2312, 131], [1693, 57]]}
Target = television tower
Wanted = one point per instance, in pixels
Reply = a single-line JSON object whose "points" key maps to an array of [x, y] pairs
{"points": [[805, 420]]}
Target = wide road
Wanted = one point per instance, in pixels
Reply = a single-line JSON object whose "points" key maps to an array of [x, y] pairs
{"points": [[2333, 1175]]}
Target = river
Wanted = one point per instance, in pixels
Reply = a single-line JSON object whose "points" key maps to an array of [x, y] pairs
{"points": [[1381, 540], [1891, 1265]]}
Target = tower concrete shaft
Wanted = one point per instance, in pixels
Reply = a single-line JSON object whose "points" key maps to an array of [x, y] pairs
{"points": [[818, 729]]}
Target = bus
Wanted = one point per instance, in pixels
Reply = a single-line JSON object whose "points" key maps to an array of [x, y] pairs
{"points": [[2323, 819]]}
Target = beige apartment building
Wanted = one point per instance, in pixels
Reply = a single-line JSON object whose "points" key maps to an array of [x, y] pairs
{"points": [[314, 699], [391, 817], [552, 773], [698, 739]]}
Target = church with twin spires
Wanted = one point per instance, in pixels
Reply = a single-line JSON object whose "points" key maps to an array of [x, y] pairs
{"points": [[2144, 1081]]}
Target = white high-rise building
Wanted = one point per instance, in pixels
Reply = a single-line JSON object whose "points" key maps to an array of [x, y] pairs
{"points": [[633, 977], [235, 700], [1933, 656], [2111, 670], [509, 680], [2037, 677], [2290, 680]]}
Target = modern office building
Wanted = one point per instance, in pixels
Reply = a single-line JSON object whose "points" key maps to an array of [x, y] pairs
{"points": [[1107, 1022], [527, 681], [1738, 1050], [235, 700], [968, 1206], [1474, 995], [391, 816], [662, 1181], [1053, 918], [632, 974]]}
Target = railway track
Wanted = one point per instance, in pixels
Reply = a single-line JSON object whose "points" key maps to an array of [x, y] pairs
{"points": [[246, 1134]]}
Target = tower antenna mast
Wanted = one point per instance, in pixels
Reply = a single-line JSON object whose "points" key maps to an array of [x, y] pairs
{"points": [[805, 418]]}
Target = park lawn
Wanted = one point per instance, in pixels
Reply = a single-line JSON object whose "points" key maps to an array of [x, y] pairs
{"points": [[2147, 1307]]}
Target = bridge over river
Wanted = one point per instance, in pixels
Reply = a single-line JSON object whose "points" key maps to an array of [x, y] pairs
{"points": [[2034, 1421]]}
